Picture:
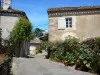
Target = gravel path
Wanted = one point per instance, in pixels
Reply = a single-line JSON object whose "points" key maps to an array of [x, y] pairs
{"points": [[41, 66]]}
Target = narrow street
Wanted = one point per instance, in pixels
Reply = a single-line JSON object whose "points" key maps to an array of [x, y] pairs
{"points": [[40, 66]]}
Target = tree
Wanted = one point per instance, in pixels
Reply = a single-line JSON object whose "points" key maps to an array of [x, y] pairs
{"points": [[41, 34], [38, 32], [20, 35], [22, 30], [44, 38]]}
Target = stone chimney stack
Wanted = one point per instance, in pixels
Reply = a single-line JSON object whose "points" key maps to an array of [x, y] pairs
{"points": [[6, 4]]}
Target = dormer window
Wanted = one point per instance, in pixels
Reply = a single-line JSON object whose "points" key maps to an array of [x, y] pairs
{"points": [[68, 22]]}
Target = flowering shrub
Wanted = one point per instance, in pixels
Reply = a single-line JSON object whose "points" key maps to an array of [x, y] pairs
{"points": [[85, 55], [84, 58], [94, 45]]}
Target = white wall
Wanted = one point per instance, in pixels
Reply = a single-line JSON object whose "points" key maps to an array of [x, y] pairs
{"points": [[33, 49], [7, 23], [83, 27]]}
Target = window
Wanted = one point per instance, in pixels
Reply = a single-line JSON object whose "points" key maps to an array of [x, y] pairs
{"points": [[68, 22]]}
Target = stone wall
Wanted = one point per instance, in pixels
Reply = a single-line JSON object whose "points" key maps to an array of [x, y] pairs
{"points": [[83, 27], [6, 24]]}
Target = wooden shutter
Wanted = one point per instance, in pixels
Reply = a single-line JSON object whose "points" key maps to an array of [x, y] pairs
{"points": [[61, 23]]}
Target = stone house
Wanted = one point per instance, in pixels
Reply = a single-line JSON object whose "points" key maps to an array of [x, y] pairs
{"points": [[8, 18], [34, 45], [82, 22]]}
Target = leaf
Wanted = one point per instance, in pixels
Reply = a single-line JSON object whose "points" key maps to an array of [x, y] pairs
{"points": [[88, 65], [22, 30], [85, 62]]}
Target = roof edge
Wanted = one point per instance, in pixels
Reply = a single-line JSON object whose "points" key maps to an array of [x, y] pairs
{"points": [[72, 8]]}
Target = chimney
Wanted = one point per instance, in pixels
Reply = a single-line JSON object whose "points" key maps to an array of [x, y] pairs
{"points": [[6, 4]]}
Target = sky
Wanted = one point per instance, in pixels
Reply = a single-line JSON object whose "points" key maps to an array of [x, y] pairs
{"points": [[36, 10]]}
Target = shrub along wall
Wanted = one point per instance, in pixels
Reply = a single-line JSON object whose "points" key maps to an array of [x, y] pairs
{"points": [[5, 67], [5, 57], [84, 55]]}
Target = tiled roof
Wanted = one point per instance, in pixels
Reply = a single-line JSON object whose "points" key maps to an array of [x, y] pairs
{"points": [[73, 8], [13, 11], [10, 10], [36, 40]]}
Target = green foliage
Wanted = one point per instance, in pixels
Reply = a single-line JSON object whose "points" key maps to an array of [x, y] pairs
{"points": [[38, 32], [84, 58], [94, 45], [60, 49], [44, 38], [85, 55], [22, 30], [49, 47], [69, 59], [38, 51], [58, 52]]}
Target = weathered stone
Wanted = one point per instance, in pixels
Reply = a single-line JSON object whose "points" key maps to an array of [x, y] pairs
{"points": [[85, 23]]}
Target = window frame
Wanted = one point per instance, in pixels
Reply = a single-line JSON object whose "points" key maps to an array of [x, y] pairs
{"points": [[69, 22]]}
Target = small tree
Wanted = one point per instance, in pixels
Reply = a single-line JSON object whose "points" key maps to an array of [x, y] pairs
{"points": [[44, 38], [38, 32], [22, 31]]}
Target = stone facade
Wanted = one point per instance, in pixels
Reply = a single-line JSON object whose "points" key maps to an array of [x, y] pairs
{"points": [[8, 19], [7, 24], [85, 22]]}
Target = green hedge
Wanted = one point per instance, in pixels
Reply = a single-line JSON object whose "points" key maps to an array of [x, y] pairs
{"points": [[5, 67], [84, 55]]}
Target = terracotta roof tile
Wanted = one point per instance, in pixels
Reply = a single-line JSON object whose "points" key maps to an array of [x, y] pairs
{"points": [[10, 10], [72, 8]]}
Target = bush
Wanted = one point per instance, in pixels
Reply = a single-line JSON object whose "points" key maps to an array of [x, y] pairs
{"points": [[58, 52], [85, 55], [48, 46], [71, 46], [69, 59], [94, 45], [84, 58]]}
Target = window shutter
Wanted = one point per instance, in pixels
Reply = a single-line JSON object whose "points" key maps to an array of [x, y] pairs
{"points": [[61, 23]]}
